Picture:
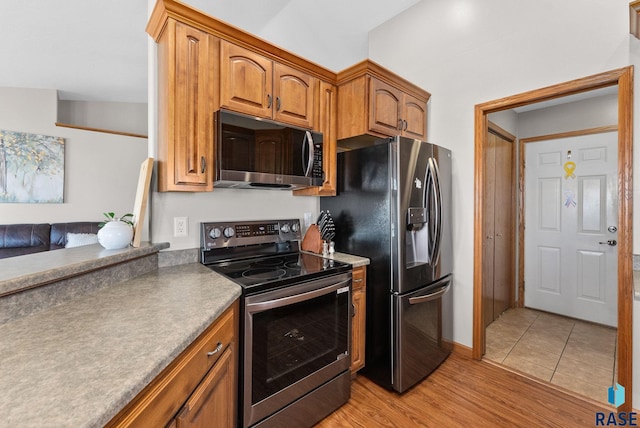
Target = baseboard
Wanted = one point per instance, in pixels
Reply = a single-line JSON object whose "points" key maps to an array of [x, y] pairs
{"points": [[458, 348]]}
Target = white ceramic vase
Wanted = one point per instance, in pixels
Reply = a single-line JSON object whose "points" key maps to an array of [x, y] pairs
{"points": [[115, 235]]}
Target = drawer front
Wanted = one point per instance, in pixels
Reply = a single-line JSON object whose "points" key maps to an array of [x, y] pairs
{"points": [[166, 394], [358, 278]]}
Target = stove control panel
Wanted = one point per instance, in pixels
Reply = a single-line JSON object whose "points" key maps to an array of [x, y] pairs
{"points": [[235, 234]]}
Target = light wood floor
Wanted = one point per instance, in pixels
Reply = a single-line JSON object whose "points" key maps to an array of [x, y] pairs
{"points": [[464, 393]]}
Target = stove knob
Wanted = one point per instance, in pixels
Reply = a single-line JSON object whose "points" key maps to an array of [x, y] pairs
{"points": [[295, 227], [285, 228], [228, 232], [214, 233]]}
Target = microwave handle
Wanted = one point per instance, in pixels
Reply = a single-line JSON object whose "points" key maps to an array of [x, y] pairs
{"points": [[307, 164]]}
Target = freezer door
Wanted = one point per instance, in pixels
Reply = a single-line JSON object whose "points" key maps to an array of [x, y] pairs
{"points": [[418, 348]]}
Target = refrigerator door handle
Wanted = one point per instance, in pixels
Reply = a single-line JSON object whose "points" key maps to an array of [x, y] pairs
{"points": [[431, 296], [433, 167]]}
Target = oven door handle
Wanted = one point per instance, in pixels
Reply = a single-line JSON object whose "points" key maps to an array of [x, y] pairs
{"points": [[284, 301]]}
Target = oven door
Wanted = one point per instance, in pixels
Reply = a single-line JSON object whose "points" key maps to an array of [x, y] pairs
{"points": [[296, 339]]}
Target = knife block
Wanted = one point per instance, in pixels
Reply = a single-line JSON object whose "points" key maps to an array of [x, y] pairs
{"points": [[312, 240]]}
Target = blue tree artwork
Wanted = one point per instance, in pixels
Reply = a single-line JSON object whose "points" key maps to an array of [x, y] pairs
{"points": [[31, 168]]}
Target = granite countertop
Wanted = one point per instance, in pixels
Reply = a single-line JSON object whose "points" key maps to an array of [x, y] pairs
{"points": [[33, 270], [355, 261], [79, 363]]}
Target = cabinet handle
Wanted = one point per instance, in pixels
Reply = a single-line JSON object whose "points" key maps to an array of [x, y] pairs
{"points": [[215, 351], [278, 103], [399, 124], [203, 164], [357, 280], [269, 101], [406, 124], [353, 308]]}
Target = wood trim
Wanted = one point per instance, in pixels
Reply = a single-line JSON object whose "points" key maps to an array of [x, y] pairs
{"points": [[106, 131], [623, 78], [521, 211], [578, 133], [625, 239], [368, 67], [521, 191], [585, 84], [458, 348], [634, 18], [481, 129], [502, 133]]}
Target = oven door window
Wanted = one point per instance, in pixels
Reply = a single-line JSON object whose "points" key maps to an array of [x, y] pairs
{"points": [[292, 341]]}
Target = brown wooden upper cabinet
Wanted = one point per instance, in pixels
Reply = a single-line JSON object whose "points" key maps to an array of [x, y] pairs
{"points": [[253, 84], [186, 78], [327, 124], [373, 101]]}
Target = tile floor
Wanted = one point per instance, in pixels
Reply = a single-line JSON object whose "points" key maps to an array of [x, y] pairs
{"points": [[570, 353]]}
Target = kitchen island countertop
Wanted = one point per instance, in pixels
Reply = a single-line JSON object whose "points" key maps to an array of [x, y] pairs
{"points": [[79, 363]]}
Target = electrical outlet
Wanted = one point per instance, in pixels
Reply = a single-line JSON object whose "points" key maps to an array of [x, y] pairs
{"points": [[180, 226], [307, 219]]}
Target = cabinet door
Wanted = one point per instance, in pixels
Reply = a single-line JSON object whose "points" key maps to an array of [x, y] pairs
{"points": [[246, 81], [358, 323], [212, 404], [185, 141], [294, 93], [328, 124], [194, 127], [385, 108], [414, 116]]}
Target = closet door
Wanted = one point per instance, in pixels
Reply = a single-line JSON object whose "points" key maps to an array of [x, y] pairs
{"points": [[489, 185], [498, 261], [503, 226]]}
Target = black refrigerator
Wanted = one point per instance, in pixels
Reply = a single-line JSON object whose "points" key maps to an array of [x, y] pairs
{"points": [[393, 206]]}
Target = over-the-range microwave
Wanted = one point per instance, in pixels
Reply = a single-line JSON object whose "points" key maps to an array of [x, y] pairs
{"points": [[262, 154]]}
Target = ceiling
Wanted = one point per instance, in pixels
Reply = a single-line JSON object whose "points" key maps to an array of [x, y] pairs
{"points": [[97, 50]]}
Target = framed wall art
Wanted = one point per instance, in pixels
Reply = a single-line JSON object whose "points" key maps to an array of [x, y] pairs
{"points": [[31, 168]]}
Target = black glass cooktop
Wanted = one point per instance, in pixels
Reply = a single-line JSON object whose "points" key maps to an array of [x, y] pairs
{"points": [[279, 270]]}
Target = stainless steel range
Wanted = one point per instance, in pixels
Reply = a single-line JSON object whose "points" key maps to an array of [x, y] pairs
{"points": [[295, 322]]}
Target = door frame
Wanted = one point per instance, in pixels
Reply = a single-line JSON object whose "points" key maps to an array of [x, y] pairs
{"points": [[623, 79]]}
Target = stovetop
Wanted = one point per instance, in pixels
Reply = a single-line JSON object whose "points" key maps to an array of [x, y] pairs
{"points": [[262, 273], [261, 255]]}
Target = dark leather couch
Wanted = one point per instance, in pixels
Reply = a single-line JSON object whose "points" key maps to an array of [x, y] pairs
{"points": [[19, 239]]}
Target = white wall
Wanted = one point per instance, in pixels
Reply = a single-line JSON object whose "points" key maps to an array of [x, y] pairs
{"points": [[121, 117], [584, 114], [101, 170], [223, 205], [466, 52]]}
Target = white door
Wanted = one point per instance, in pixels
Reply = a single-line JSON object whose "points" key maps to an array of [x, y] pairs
{"points": [[571, 220]]}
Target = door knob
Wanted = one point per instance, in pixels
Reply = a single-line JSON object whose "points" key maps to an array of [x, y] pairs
{"points": [[611, 242]]}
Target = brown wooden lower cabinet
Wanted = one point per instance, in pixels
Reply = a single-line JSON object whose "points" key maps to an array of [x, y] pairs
{"points": [[198, 389], [358, 323], [211, 404]]}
